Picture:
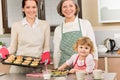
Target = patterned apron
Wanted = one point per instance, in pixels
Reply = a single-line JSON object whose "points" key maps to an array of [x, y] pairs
{"points": [[76, 66], [67, 42]]}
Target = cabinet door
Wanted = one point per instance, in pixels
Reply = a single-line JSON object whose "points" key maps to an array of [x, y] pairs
{"points": [[4, 68], [101, 64], [114, 66]]}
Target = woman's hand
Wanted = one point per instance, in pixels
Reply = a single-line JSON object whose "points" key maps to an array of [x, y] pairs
{"points": [[45, 57], [4, 52]]}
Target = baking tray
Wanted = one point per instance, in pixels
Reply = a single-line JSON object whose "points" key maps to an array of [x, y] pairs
{"points": [[22, 65], [59, 73]]}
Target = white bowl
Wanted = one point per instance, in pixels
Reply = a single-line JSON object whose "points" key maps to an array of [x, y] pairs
{"points": [[46, 75]]}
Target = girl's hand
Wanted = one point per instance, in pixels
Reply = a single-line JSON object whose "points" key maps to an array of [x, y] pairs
{"points": [[73, 71], [60, 68]]}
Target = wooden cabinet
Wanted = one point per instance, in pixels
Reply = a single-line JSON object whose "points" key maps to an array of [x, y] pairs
{"points": [[111, 64], [4, 68], [114, 66], [101, 63]]}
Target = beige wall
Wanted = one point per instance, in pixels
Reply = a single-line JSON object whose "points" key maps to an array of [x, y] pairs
{"points": [[1, 30], [90, 12]]}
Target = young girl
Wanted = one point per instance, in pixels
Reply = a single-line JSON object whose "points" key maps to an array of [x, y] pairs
{"points": [[83, 61]]}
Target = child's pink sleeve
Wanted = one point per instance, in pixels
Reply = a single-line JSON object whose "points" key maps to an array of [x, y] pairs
{"points": [[90, 63], [71, 60]]}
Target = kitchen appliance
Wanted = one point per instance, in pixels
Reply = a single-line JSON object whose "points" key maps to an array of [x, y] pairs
{"points": [[110, 44], [102, 49]]}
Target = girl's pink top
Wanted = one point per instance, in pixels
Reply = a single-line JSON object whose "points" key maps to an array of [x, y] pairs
{"points": [[87, 64]]}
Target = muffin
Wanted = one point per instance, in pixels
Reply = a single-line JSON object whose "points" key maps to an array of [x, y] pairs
{"points": [[17, 62], [26, 62], [8, 61], [19, 57], [28, 58], [34, 63], [37, 59]]}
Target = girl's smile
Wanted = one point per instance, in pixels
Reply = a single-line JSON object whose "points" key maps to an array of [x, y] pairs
{"points": [[83, 50]]}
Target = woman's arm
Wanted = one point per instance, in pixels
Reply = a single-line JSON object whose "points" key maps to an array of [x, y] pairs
{"points": [[46, 46], [14, 39], [56, 41], [92, 36], [88, 31], [90, 63]]}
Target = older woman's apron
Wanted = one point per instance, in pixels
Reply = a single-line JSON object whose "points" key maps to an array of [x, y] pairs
{"points": [[67, 42]]}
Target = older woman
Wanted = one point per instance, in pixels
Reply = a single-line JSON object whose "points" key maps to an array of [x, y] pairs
{"points": [[69, 31]]}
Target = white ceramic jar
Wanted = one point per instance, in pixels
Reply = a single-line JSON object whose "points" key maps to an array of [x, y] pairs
{"points": [[102, 49]]}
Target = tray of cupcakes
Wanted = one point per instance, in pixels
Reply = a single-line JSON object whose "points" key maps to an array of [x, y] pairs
{"points": [[58, 73], [19, 60]]}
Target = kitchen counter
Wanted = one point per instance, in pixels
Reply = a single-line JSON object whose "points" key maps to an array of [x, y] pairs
{"points": [[109, 54], [107, 76]]}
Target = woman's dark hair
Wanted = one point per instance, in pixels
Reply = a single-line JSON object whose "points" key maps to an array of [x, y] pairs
{"points": [[59, 7], [23, 5]]}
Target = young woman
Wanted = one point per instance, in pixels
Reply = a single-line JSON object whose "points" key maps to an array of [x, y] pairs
{"points": [[83, 60], [69, 31], [30, 36]]}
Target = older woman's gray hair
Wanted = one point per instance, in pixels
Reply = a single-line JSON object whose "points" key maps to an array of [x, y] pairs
{"points": [[59, 7]]}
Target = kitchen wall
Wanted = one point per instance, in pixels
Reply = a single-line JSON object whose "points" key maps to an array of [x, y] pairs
{"points": [[14, 13], [90, 12], [1, 30], [112, 34]]}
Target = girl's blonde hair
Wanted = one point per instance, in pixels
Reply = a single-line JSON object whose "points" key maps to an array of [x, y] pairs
{"points": [[84, 41]]}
